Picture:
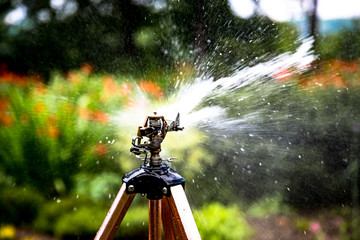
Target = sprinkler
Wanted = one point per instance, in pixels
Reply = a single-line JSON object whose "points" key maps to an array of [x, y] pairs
{"points": [[154, 129], [163, 186]]}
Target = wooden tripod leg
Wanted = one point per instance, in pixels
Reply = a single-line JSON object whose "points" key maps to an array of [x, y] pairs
{"points": [[154, 219], [115, 215], [168, 221], [182, 215]]}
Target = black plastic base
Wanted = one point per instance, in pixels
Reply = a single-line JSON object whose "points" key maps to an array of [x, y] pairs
{"points": [[155, 182]]}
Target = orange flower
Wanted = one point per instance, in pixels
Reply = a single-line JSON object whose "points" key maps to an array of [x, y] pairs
{"points": [[5, 117], [84, 113], [86, 68], [151, 88], [10, 77], [39, 107], [100, 117], [53, 131], [100, 149], [110, 86], [74, 78], [4, 104], [51, 120], [39, 88], [50, 130]]}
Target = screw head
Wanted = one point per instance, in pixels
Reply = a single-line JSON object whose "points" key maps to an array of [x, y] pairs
{"points": [[165, 190], [131, 188]]}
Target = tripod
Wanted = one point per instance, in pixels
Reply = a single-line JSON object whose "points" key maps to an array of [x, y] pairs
{"points": [[162, 185], [167, 204]]}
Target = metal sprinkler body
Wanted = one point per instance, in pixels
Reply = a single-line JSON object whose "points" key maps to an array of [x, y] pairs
{"points": [[154, 178], [154, 129]]}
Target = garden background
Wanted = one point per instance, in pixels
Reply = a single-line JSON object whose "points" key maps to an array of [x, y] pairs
{"points": [[69, 68]]}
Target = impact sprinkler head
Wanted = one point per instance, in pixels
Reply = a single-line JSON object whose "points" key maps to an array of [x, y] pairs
{"points": [[154, 129]]}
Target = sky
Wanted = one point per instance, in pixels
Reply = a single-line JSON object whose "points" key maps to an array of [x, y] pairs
{"points": [[287, 10]]}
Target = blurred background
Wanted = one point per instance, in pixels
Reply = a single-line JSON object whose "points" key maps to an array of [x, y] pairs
{"points": [[276, 156]]}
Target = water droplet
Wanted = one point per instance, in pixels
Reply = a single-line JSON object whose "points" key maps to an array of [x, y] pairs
{"points": [[288, 189], [242, 149], [215, 178], [58, 201], [300, 156]]}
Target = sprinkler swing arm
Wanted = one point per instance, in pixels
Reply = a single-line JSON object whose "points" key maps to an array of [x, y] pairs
{"points": [[163, 186], [155, 129]]}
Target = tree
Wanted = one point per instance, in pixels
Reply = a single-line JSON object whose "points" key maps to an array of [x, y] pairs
{"points": [[127, 36]]}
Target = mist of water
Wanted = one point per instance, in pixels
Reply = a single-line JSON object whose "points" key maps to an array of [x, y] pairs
{"points": [[189, 96]]}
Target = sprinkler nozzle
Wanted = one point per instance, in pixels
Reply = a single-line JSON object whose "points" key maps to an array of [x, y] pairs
{"points": [[154, 129]]}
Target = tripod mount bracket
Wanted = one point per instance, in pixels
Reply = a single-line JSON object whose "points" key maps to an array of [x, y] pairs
{"points": [[154, 181]]}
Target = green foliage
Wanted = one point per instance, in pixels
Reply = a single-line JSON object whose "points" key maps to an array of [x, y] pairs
{"points": [[82, 222], [215, 221], [344, 44], [80, 216], [135, 223], [71, 216], [268, 206], [98, 187], [19, 205], [54, 132]]}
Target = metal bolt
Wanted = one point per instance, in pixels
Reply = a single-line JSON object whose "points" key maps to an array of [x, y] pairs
{"points": [[165, 190], [131, 188]]}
